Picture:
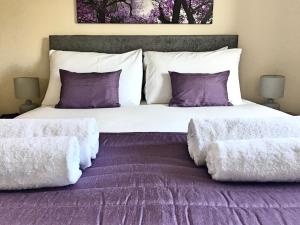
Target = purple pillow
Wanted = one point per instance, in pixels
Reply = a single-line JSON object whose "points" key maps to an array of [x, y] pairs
{"points": [[89, 90], [199, 89]]}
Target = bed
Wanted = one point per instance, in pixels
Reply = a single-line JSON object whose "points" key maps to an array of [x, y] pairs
{"points": [[143, 173], [153, 118]]}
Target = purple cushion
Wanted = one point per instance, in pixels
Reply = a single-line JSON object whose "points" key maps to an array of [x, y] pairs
{"points": [[199, 89], [89, 90]]}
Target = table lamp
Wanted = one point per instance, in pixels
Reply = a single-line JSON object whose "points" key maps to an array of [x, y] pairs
{"points": [[271, 88], [27, 88]]}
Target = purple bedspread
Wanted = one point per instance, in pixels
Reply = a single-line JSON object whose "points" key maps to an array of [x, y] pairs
{"points": [[148, 178]]}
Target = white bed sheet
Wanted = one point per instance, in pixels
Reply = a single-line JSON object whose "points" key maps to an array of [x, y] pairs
{"points": [[153, 118]]}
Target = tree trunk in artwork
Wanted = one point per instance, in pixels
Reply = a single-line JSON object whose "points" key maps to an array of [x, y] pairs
{"points": [[141, 8], [162, 17], [186, 8], [208, 15], [101, 11], [176, 11], [188, 12]]}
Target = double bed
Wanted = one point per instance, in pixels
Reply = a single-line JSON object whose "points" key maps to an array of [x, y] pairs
{"points": [[153, 118], [143, 173]]}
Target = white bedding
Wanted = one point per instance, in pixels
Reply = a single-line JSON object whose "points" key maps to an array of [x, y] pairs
{"points": [[153, 118]]}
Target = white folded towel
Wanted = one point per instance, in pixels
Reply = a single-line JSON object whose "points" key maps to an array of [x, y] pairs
{"points": [[85, 129], [262, 160], [27, 163], [201, 133]]}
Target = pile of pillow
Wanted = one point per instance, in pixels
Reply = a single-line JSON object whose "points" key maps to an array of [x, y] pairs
{"points": [[182, 79]]}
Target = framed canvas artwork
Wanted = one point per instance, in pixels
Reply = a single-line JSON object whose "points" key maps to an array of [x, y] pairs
{"points": [[145, 11]]}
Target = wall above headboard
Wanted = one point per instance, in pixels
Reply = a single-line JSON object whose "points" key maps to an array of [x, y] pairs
{"points": [[123, 43]]}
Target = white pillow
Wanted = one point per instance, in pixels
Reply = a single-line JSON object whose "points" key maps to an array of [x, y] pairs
{"points": [[157, 64], [131, 77]]}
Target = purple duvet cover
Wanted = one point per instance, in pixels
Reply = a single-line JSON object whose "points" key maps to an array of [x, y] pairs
{"points": [[148, 178]]}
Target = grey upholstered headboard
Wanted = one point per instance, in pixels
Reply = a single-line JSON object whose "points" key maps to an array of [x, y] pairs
{"points": [[120, 44]]}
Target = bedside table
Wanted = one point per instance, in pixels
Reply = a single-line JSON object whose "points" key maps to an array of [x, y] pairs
{"points": [[9, 116]]}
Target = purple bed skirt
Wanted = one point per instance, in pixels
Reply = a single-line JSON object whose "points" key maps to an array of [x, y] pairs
{"points": [[148, 178]]}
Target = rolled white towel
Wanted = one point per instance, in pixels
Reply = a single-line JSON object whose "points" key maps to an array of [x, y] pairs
{"points": [[201, 133], [85, 129], [27, 163], [261, 160]]}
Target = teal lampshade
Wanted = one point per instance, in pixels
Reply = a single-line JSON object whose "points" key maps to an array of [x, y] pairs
{"points": [[27, 87]]}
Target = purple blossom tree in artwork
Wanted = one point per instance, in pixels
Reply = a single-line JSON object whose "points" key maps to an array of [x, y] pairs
{"points": [[145, 11]]}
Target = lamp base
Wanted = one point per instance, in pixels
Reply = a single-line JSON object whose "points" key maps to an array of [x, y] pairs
{"points": [[272, 104], [27, 106]]}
